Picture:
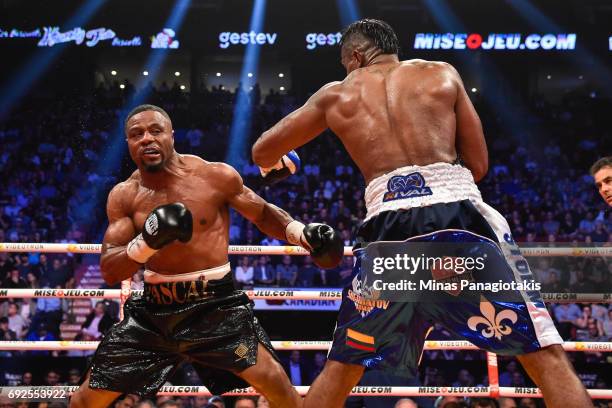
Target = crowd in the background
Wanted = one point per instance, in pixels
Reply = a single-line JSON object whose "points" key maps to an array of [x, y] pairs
{"points": [[55, 178]]}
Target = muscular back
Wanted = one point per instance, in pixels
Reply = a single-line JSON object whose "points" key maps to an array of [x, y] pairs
{"points": [[393, 115], [388, 115]]}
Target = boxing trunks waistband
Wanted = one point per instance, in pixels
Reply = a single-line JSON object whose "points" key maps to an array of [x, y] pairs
{"points": [[420, 186], [188, 287]]}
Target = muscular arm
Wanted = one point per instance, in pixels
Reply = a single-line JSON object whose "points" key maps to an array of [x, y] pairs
{"points": [[114, 262], [294, 130], [470, 141], [268, 218]]}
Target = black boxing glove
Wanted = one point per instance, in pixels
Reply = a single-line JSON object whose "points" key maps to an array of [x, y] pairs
{"points": [[322, 241], [287, 165], [166, 224]]}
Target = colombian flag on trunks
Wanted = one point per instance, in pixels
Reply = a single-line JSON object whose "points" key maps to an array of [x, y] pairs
{"points": [[359, 341]]}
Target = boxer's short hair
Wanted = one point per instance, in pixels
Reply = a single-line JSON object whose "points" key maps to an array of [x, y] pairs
{"points": [[600, 164], [379, 32], [144, 108]]}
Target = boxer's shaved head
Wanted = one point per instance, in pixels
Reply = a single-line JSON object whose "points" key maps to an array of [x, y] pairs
{"points": [[368, 33], [144, 108]]}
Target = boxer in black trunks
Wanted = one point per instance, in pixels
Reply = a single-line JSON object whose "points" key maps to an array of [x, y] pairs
{"points": [[405, 123], [172, 215]]}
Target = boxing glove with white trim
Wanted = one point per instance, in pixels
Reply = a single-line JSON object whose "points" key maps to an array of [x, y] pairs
{"points": [[287, 165]]}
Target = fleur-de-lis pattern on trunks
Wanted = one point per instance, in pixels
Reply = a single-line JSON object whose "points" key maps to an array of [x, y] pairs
{"points": [[494, 322]]}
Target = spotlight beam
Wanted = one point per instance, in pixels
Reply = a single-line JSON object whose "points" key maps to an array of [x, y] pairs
{"points": [[28, 74], [349, 11], [240, 129], [506, 104], [582, 58]]}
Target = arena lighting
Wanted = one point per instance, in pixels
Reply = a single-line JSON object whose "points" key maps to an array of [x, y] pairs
{"points": [[113, 72], [115, 150], [240, 129], [250, 74], [16, 87], [474, 90], [183, 87], [177, 74], [218, 74], [349, 11], [282, 88], [145, 73], [581, 58], [281, 75], [507, 105], [122, 86]]}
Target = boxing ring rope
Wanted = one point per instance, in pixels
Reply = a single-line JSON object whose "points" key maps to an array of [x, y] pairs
{"points": [[364, 391], [494, 390], [285, 345], [288, 250], [262, 294]]}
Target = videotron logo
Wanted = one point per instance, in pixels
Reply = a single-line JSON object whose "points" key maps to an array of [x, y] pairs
{"points": [[494, 41]]}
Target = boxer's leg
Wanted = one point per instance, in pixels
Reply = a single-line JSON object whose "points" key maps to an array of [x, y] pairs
{"points": [[561, 390], [268, 377], [333, 385], [86, 397]]}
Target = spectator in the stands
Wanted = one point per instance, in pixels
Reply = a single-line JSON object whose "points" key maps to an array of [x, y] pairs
{"points": [[245, 402], [607, 326], [307, 273], [26, 378], [14, 280], [41, 334], [507, 403], [16, 322], [528, 403], [464, 379], [286, 272], [566, 315], [270, 241], [24, 265], [5, 332], [509, 375], [405, 403], [97, 322], [43, 267], [48, 311], [52, 378], [244, 272], [262, 402], [74, 377], [296, 369], [263, 271], [58, 275], [319, 363]]}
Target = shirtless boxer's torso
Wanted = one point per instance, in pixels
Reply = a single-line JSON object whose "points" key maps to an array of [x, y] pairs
{"points": [[203, 188]]}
